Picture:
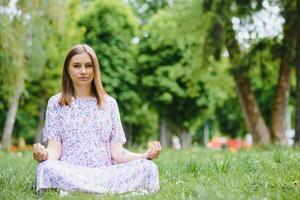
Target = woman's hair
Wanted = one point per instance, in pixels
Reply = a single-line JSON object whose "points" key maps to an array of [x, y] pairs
{"points": [[68, 90]]}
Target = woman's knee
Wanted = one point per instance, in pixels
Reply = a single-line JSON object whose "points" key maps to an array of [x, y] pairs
{"points": [[150, 166], [47, 165]]}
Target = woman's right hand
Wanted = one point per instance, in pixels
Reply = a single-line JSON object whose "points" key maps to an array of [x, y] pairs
{"points": [[40, 153]]}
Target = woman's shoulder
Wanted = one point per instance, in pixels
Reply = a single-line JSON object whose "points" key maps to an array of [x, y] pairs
{"points": [[54, 100], [109, 100]]}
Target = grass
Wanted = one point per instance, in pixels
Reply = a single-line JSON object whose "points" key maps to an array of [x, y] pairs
{"points": [[196, 173]]}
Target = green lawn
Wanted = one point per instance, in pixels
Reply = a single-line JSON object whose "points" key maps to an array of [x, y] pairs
{"points": [[197, 173]]}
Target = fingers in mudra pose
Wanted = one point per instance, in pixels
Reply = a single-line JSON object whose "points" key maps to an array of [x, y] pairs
{"points": [[154, 150], [40, 153]]}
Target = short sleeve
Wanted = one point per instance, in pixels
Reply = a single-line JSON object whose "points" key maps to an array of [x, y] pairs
{"points": [[52, 123], [117, 134]]}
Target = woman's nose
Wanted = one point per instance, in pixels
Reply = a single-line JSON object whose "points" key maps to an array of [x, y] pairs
{"points": [[82, 70]]}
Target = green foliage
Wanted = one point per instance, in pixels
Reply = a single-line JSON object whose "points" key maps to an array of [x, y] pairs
{"points": [[229, 117], [12, 62], [162, 73], [182, 80], [145, 9]]}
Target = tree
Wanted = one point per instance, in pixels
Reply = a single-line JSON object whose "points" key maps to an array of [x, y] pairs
{"points": [[297, 63], [254, 119], [252, 114], [174, 76], [12, 68], [283, 83]]}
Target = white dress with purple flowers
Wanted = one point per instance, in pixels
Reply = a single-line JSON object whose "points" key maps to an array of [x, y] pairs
{"points": [[86, 132]]}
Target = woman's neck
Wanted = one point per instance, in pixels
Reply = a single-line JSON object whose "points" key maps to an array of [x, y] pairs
{"points": [[83, 92]]}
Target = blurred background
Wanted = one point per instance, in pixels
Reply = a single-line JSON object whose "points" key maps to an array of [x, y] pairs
{"points": [[183, 71]]}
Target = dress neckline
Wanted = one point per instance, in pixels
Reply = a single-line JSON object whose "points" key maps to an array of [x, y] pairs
{"points": [[84, 99]]}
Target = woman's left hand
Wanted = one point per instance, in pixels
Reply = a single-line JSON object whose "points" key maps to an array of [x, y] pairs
{"points": [[153, 151]]}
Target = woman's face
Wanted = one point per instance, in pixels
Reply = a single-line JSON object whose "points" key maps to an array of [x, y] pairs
{"points": [[81, 69]]}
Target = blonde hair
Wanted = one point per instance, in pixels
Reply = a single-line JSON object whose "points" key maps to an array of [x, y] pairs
{"points": [[68, 90]]}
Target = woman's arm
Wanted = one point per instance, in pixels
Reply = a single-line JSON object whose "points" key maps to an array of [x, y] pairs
{"points": [[122, 155], [52, 152]]}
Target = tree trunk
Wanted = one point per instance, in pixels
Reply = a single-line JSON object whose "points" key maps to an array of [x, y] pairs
{"points": [[283, 83], [11, 117], [40, 126], [186, 138], [297, 131], [164, 133], [281, 101], [254, 120], [128, 132], [297, 60]]}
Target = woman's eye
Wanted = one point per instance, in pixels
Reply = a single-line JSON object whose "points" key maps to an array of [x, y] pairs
{"points": [[89, 66], [76, 66]]}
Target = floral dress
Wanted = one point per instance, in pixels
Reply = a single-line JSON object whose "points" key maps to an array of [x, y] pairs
{"points": [[86, 132]]}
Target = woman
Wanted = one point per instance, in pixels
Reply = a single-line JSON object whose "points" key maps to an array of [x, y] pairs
{"points": [[85, 138]]}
